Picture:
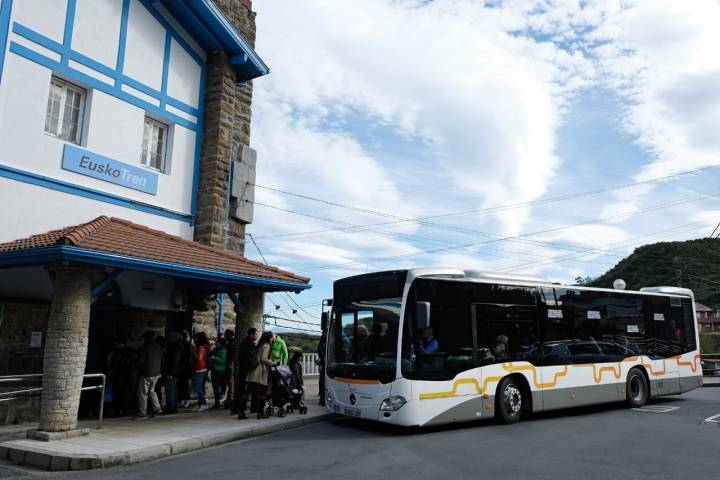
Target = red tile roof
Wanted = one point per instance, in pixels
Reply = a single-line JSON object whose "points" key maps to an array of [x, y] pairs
{"points": [[121, 237]]}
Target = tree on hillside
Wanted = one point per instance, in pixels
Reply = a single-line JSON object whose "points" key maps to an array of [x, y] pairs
{"points": [[693, 264]]}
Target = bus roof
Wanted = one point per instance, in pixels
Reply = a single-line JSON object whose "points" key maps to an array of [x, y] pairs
{"points": [[530, 280], [458, 274]]}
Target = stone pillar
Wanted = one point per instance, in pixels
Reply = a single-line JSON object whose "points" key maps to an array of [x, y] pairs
{"points": [[226, 127], [251, 312], [65, 350]]}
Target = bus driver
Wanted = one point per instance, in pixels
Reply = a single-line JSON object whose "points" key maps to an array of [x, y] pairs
{"points": [[427, 344]]}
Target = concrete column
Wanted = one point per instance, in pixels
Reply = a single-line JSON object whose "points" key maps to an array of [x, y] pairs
{"points": [[251, 313], [66, 346]]}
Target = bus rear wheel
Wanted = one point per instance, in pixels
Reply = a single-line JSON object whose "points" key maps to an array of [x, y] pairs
{"points": [[637, 390], [510, 401]]}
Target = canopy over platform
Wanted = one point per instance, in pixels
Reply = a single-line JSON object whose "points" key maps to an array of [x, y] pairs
{"points": [[113, 242]]}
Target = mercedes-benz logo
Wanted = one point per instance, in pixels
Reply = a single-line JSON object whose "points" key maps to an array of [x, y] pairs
{"points": [[352, 398]]}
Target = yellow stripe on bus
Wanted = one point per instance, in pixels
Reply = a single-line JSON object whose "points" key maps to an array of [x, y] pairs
{"points": [[616, 371]]}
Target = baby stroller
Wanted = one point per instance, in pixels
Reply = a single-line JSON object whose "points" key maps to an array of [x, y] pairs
{"points": [[284, 399]]}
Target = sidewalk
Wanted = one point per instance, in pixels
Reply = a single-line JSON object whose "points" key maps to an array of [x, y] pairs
{"points": [[124, 441], [709, 381]]}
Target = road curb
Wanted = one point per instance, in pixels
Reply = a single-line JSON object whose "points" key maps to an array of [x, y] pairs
{"points": [[45, 459]]}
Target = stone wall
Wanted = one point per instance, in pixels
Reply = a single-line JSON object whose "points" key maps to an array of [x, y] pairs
{"points": [[227, 117], [17, 322], [141, 321]]}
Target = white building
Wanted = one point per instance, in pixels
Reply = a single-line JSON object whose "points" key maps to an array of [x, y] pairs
{"points": [[101, 107], [116, 175]]}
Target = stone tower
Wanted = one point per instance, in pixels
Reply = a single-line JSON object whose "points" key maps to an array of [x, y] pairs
{"points": [[226, 138]]}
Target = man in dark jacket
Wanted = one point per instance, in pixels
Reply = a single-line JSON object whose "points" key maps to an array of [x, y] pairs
{"points": [[245, 351], [173, 370], [118, 364], [151, 363]]}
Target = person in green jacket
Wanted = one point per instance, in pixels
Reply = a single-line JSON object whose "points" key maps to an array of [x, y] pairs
{"points": [[279, 351], [218, 360]]}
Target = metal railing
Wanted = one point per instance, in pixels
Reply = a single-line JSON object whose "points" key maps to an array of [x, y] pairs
{"points": [[710, 363], [37, 391], [310, 366]]}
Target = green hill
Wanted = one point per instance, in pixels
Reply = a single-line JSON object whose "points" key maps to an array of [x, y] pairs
{"points": [[305, 342], [695, 263]]}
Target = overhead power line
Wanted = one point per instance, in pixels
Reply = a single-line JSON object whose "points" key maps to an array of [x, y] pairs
{"points": [[283, 319], [294, 310], [495, 209], [625, 243], [511, 237], [453, 228], [717, 229]]}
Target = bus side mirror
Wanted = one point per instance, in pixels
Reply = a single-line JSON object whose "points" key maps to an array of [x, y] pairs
{"points": [[324, 320], [422, 315]]}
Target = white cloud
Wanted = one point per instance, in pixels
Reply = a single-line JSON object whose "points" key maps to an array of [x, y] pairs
{"points": [[485, 103], [420, 108], [661, 56]]}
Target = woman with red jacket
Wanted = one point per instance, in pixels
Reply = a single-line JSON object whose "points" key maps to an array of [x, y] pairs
{"points": [[200, 369]]}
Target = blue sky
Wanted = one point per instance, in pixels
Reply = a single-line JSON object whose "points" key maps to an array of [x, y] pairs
{"points": [[406, 109]]}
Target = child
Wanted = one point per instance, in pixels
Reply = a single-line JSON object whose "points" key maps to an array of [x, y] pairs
{"points": [[296, 380]]}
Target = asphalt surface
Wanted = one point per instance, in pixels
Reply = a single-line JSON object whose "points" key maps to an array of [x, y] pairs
{"points": [[609, 441]]}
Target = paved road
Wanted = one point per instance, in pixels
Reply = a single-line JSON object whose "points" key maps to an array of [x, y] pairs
{"points": [[591, 443]]}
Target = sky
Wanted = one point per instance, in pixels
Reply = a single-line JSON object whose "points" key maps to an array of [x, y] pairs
{"points": [[413, 133]]}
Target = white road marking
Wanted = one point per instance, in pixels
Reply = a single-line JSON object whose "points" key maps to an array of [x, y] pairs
{"points": [[656, 409], [713, 421]]}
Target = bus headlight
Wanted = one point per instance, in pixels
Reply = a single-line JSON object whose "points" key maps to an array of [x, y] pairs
{"points": [[328, 396], [392, 404]]}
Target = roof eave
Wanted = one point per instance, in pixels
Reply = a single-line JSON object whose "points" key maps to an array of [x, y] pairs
{"points": [[63, 253], [211, 28]]}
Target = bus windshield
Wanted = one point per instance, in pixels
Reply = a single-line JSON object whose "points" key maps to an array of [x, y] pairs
{"points": [[362, 341]]}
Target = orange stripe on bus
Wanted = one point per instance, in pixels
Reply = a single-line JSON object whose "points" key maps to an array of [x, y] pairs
{"points": [[356, 380]]}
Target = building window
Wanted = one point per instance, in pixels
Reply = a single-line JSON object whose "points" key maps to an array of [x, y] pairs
{"points": [[65, 106], [154, 144]]}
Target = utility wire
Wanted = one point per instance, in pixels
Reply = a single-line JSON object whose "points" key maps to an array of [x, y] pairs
{"points": [[512, 237], [498, 208], [625, 243], [717, 229], [702, 280], [276, 318], [517, 238], [252, 239]]}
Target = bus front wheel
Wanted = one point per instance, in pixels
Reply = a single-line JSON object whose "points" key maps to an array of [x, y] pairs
{"points": [[510, 400], [637, 389]]}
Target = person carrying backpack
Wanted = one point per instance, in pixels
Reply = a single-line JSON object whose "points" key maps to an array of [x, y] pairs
{"points": [[245, 353]]}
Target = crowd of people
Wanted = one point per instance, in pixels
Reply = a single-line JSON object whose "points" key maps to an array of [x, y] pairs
{"points": [[170, 367]]}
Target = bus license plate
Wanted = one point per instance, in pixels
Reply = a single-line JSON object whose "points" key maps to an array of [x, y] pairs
{"points": [[351, 412]]}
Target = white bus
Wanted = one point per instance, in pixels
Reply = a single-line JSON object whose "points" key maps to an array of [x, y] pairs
{"points": [[433, 346]]}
